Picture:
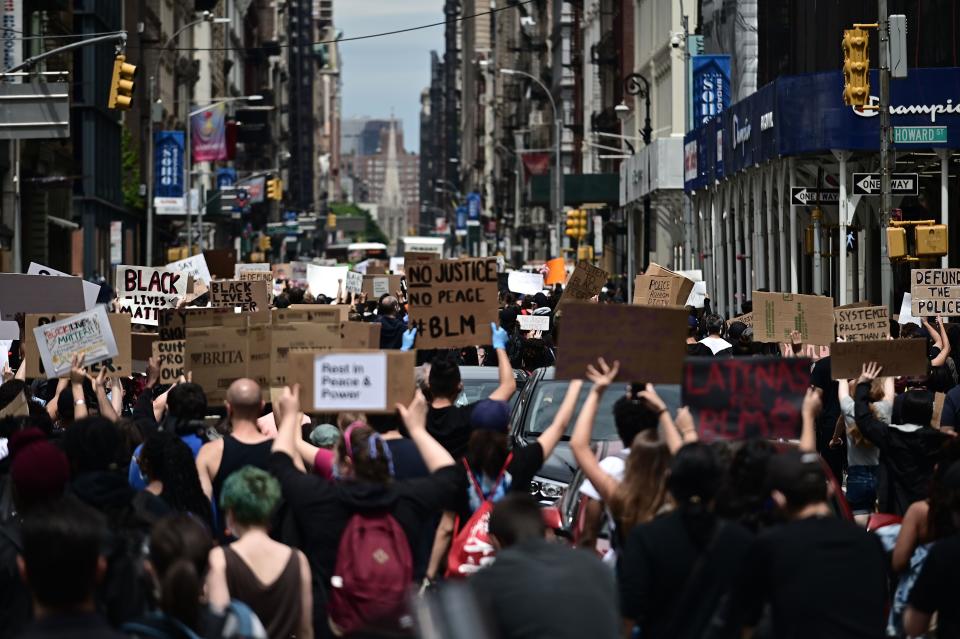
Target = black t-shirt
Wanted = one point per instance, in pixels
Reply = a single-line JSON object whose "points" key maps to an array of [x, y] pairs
{"points": [[654, 570], [321, 508], [822, 378], [537, 589], [937, 588], [823, 577], [407, 462], [524, 464], [451, 427]]}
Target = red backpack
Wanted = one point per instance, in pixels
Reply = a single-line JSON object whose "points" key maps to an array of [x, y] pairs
{"points": [[372, 577], [471, 549]]}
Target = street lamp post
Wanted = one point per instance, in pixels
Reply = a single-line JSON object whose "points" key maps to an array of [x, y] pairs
{"points": [[558, 135], [206, 16], [636, 84], [188, 162]]}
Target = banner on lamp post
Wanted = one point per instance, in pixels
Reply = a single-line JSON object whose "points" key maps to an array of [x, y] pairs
{"points": [[208, 135], [168, 163]]}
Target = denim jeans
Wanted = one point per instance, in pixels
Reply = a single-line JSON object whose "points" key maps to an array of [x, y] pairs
{"points": [[862, 489]]}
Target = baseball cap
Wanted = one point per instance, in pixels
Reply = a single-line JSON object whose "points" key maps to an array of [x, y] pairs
{"points": [[491, 414], [799, 476], [39, 469]]}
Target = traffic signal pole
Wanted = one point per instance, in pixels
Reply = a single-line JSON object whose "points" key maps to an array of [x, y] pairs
{"points": [[886, 201]]}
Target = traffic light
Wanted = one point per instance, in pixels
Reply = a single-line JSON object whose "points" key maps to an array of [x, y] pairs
{"points": [[856, 67], [331, 220], [121, 86], [576, 224], [275, 189], [265, 243]]}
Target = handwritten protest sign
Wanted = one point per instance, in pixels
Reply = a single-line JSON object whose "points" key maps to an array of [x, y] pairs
{"points": [[452, 302], [862, 323], [746, 318], [659, 286], [324, 280], [525, 283], [144, 291], [372, 382], [353, 283], [775, 315], [86, 334], [654, 354], [253, 267], [907, 357], [742, 398], [377, 285], [91, 291], [38, 294], [534, 322], [935, 291], [195, 266], [585, 282], [249, 297], [169, 355]]}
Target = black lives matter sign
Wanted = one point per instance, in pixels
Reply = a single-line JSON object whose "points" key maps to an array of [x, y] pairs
{"points": [[743, 398], [452, 302]]}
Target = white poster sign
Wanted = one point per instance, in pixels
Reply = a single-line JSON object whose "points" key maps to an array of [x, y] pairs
{"points": [[906, 314], [353, 283], [698, 294], [350, 381], [257, 267], [534, 322], [90, 290], [324, 280], [86, 333], [195, 266], [381, 286], [396, 265], [525, 283]]}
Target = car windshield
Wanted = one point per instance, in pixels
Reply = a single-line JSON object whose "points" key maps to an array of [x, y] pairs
{"points": [[476, 389], [546, 401], [548, 395]]}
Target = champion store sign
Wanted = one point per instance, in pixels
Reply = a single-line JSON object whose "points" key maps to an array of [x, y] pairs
{"points": [[933, 110], [740, 134]]}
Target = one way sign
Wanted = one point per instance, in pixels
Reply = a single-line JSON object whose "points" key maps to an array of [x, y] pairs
{"points": [[802, 195], [900, 183]]}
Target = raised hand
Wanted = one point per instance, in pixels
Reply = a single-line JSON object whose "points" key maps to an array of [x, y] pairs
{"points": [[649, 395], [499, 335], [409, 339], [602, 375], [77, 374], [414, 416], [869, 372]]}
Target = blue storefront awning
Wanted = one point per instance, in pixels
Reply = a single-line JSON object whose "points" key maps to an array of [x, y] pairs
{"points": [[805, 114]]}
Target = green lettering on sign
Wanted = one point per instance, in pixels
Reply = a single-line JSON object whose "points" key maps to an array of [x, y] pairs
{"points": [[919, 135]]}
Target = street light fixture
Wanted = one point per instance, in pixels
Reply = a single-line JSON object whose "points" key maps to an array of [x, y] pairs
{"points": [[558, 135], [636, 84], [206, 16]]}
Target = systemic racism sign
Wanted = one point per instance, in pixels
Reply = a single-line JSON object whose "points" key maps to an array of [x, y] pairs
{"points": [[742, 398], [452, 302]]}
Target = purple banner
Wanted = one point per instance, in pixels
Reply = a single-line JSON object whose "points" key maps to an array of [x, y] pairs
{"points": [[209, 137]]}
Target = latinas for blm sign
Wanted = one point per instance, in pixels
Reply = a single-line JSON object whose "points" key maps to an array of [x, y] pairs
{"points": [[452, 302], [742, 398]]}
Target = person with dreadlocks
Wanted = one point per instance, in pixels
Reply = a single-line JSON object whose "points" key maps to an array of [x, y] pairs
{"points": [[172, 482]]}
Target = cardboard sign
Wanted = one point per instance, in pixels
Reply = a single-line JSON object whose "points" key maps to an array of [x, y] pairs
{"points": [[286, 338], [195, 266], [906, 357], [525, 283], [862, 323], [376, 267], [169, 355], [91, 291], [144, 291], [746, 318], [255, 267], [452, 302], [220, 262], [39, 294], [218, 355], [86, 334], [420, 256], [353, 283], [172, 325], [534, 322], [652, 354], [739, 398], [249, 297], [377, 285], [585, 282], [775, 315], [281, 271], [935, 291], [360, 335], [141, 347], [325, 280], [661, 287], [368, 381], [323, 313], [906, 312]]}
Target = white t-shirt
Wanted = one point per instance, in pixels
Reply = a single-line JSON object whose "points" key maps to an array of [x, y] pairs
{"points": [[716, 344], [614, 465], [866, 454]]}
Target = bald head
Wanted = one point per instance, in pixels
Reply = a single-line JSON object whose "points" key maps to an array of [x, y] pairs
{"points": [[243, 399], [388, 306]]}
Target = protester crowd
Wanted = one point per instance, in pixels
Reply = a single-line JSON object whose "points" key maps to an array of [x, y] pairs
{"points": [[138, 509]]}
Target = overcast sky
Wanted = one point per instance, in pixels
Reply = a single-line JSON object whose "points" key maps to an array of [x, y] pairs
{"points": [[387, 73]]}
